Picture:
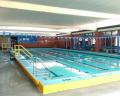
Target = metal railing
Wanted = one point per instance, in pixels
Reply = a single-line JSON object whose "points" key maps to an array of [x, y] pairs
{"points": [[19, 49], [7, 46]]}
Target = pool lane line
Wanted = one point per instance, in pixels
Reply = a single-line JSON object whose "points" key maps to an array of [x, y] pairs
{"points": [[95, 67], [73, 65], [53, 73], [83, 64], [91, 53], [103, 63], [50, 70], [95, 61], [68, 59]]}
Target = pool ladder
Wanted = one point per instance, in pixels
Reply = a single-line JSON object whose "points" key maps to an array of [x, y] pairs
{"points": [[44, 72], [20, 50]]}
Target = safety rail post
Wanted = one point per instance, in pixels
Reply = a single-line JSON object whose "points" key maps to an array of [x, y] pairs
{"points": [[34, 61], [16, 50], [3, 46], [6, 46]]}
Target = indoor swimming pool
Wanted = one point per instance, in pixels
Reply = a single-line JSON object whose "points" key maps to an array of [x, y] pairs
{"points": [[52, 65]]}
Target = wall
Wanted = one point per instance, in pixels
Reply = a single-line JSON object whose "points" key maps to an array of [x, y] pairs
{"points": [[50, 42], [99, 43], [64, 42], [42, 42]]}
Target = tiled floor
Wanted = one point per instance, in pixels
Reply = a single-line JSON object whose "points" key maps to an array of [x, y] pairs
{"points": [[14, 83]]}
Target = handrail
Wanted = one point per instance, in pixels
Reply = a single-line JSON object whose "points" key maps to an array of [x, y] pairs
{"points": [[19, 48], [30, 55], [6, 46], [46, 68]]}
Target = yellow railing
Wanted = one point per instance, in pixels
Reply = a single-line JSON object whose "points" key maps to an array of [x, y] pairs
{"points": [[18, 49], [6, 46]]}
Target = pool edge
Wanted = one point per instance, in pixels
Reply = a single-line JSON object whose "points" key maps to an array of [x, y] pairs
{"points": [[36, 82], [81, 83], [70, 84]]}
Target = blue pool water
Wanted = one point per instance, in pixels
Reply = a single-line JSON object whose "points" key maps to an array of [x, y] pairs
{"points": [[62, 65]]}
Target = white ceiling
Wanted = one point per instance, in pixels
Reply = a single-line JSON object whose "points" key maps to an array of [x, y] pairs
{"points": [[30, 18], [17, 17], [109, 6]]}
